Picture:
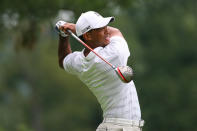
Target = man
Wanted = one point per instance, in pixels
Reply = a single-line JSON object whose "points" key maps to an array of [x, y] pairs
{"points": [[119, 101]]}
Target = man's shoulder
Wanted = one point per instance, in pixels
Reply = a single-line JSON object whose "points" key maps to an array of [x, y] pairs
{"points": [[72, 62], [74, 54], [117, 47], [116, 42], [117, 38]]}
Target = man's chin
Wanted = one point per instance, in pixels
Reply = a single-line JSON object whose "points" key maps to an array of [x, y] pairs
{"points": [[107, 41], [105, 44]]}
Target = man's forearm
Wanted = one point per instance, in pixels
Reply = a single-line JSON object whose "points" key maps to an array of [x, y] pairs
{"points": [[64, 49]]}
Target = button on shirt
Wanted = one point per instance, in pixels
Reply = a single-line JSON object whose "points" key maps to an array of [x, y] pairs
{"points": [[117, 99]]}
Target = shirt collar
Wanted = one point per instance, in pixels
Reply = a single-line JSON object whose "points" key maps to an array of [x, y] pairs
{"points": [[91, 54]]}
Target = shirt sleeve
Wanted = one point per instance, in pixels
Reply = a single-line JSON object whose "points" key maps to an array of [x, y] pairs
{"points": [[118, 48], [71, 63]]}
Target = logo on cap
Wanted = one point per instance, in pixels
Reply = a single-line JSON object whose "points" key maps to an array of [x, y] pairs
{"points": [[85, 29]]}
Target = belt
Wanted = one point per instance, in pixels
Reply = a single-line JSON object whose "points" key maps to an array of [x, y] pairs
{"points": [[137, 123]]}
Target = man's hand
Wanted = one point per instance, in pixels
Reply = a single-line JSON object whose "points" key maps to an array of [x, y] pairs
{"points": [[68, 26], [62, 27], [58, 26]]}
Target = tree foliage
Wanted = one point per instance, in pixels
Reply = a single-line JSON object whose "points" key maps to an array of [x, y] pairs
{"points": [[36, 95]]}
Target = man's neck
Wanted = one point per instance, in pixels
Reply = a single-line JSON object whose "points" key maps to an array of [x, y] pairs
{"points": [[91, 45], [86, 52]]}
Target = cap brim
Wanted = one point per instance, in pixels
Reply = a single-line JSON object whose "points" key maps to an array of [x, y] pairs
{"points": [[104, 22]]}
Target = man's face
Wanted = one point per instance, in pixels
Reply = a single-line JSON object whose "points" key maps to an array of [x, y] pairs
{"points": [[100, 36]]}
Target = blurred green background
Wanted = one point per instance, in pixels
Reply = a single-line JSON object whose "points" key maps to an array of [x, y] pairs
{"points": [[36, 95]]}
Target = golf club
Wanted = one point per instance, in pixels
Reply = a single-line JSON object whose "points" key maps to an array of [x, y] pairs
{"points": [[125, 73]]}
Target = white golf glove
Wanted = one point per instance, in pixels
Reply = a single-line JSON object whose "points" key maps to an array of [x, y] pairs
{"points": [[57, 28]]}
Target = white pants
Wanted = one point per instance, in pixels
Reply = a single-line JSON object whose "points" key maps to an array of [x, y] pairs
{"points": [[115, 124]]}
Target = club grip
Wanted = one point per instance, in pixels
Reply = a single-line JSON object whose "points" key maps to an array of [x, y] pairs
{"points": [[69, 31]]}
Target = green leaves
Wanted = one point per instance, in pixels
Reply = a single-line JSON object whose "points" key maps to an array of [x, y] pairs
{"points": [[36, 95]]}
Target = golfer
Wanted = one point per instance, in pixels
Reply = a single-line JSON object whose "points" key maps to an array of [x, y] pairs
{"points": [[118, 100]]}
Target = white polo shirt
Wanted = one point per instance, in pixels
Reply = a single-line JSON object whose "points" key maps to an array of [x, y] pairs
{"points": [[117, 99]]}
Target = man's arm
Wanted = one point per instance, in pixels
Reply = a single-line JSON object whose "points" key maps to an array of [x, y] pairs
{"points": [[114, 31], [64, 45], [64, 49]]}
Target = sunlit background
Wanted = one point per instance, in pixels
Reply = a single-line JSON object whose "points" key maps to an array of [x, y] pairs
{"points": [[36, 95]]}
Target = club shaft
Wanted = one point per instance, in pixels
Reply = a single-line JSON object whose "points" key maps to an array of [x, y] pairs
{"points": [[77, 38]]}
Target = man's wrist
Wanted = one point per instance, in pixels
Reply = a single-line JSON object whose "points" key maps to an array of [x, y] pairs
{"points": [[63, 34], [63, 38]]}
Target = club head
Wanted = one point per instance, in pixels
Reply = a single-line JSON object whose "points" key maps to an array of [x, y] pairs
{"points": [[125, 73]]}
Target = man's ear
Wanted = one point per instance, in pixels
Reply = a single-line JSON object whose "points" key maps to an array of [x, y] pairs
{"points": [[87, 36]]}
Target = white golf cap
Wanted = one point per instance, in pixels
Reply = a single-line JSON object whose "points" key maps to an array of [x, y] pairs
{"points": [[91, 20]]}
